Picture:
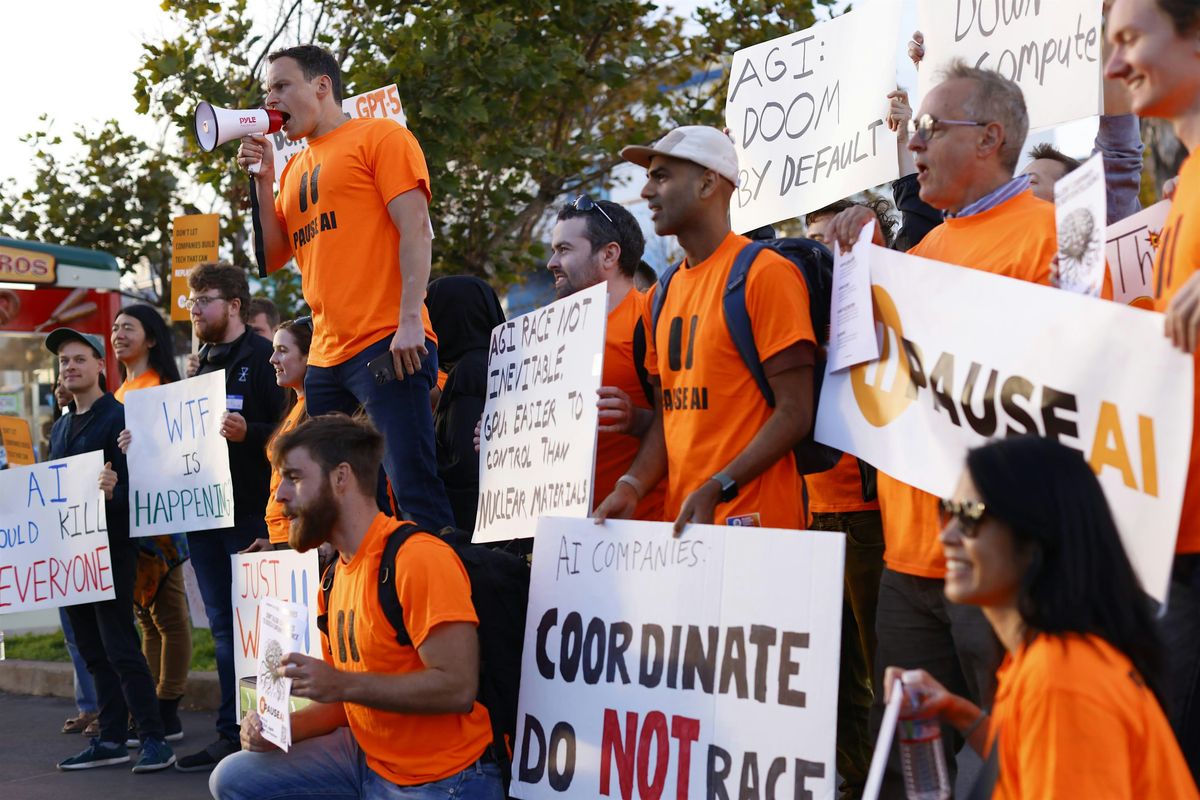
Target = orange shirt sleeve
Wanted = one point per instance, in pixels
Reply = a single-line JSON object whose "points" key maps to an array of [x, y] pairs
{"points": [[399, 165], [777, 301], [433, 587], [648, 320]]}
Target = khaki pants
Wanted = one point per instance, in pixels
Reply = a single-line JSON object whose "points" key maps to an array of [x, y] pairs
{"points": [[167, 636]]}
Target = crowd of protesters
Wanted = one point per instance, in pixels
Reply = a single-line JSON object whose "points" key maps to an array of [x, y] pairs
{"points": [[1010, 608]]}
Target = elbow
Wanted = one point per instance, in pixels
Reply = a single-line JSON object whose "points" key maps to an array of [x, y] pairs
{"points": [[462, 698]]}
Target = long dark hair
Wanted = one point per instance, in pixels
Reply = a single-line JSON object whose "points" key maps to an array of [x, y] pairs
{"points": [[1079, 578], [162, 351], [301, 330]]}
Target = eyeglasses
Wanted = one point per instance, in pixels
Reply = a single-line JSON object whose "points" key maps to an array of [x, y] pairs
{"points": [[969, 514], [202, 301], [924, 126], [585, 204]]}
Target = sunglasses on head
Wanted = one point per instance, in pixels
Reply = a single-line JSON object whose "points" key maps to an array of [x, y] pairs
{"points": [[585, 204], [969, 514]]}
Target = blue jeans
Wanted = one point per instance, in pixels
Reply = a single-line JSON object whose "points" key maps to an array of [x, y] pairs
{"points": [[401, 412], [334, 766], [85, 687], [211, 551]]}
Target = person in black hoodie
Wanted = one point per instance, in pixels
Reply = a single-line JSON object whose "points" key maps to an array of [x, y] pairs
{"points": [[219, 305], [104, 631], [463, 311]]}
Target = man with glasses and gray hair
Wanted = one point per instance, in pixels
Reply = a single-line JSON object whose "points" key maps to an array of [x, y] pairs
{"points": [[967, 138]]}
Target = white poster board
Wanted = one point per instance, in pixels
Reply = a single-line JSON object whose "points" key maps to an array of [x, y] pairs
{"points": [[1097, 376], [282, 574], [1080, 218], [53, 535], [537, 449], [1132, 245], [179, 480], [657, 666], [1051, 48], [806, 112]]}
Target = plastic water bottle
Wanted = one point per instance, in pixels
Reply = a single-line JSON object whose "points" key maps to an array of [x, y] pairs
{"points": [[922, 757]]}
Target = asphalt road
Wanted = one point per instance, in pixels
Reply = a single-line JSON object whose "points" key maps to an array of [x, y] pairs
{"points": [[30, 746]]}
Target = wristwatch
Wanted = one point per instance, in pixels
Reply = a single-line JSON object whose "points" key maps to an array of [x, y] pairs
{"points": [[729, 487]]}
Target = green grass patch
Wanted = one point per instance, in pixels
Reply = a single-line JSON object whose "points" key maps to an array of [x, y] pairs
{"points": [[51, 647]]}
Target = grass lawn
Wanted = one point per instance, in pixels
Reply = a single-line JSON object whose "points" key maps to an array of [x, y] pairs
{"points": [[51, 647]]}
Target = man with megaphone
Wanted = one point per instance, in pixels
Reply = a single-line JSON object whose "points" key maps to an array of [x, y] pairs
{"points": [[353, 210]]}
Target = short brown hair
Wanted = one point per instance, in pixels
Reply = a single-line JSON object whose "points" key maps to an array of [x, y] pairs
{"points": [[1049, 152], [227, 279], [333, 439], [264, 305]]}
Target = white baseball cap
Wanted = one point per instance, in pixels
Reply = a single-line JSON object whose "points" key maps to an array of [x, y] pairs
{"points": [[700, 144]]}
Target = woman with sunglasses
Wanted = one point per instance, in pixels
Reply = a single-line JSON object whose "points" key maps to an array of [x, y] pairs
{"points": [[1028, 537]]}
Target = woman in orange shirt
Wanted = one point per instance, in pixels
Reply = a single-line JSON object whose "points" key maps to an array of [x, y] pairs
{"points": [[1029, 537], [143, 345], [290, 359]]}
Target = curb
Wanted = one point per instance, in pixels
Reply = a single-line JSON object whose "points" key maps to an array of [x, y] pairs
{"points": [[57, 679]]}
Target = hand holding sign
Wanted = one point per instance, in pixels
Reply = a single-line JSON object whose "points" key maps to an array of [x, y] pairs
{"points": [[233, 426], [108, 480], [314, 678]]}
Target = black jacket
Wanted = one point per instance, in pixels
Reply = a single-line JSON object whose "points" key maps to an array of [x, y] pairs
{"points": [[250, 376], [102, 424], [917, 217]]}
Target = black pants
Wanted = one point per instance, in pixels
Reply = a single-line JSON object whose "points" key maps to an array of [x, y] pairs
{"points": [[108, 641]]}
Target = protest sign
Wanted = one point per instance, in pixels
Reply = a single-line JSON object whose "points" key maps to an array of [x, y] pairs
{"points": [[657, 666], [17, 440], [179, 479], [537, 448], [852, 328], [382, 103], [282, 628], [283, 574], [1132, 245], [956, 371], [194, 240], [53, 535], [883, 742], [1080, 216], [195, 600], [803, 139], [1051, 49]]}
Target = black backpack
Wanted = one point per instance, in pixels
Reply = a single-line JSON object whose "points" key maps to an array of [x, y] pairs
{"points": [[500, 594], [815, 263]]}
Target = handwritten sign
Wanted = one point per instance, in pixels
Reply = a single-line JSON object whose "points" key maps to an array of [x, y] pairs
{"points": [[53, 535], [806, 112], [179, 479], [657, 666], [18, 441], [1050, 48], [538, 436], [1080, 216], [195, 239], [282, 626], [955, 372], [282, 574], [1131, 247]]}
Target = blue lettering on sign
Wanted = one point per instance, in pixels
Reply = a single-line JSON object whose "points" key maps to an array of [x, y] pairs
{"points": [[197, 413]]}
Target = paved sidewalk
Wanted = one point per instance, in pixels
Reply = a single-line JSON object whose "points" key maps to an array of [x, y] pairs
{"points": [[30, 746]]}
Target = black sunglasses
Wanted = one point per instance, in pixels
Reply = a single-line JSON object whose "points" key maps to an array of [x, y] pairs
{"points": [[969, 514], [585, 204]]}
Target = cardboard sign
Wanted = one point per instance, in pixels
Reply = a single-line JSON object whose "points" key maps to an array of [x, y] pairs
{"points": [[956, 371], [806, 112], [657, 666], [282, 574], [53, 535], [282, 627], [382, 103], [18, 441], [179, 479], [194, 240], [537, 448], [1131, 247], [1051, 49]]}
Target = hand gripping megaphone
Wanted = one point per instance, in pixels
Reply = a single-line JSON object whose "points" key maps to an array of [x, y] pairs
{"points": [[216, 126]]}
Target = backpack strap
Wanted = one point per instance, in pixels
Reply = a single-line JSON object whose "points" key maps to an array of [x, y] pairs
{"points": [[660, 297], [737, 317], [326, 591], [389, 601], [639, 360]]}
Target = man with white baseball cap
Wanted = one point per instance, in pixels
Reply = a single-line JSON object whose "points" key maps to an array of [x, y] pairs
{"points": [[729, 453]]}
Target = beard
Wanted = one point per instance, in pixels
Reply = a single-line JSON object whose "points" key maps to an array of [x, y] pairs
{"points": [[213, 332], [311, 526]]}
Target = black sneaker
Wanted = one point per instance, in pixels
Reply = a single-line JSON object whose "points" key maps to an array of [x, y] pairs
{"points": [[209, 757], [156, 754], [98, 754]]}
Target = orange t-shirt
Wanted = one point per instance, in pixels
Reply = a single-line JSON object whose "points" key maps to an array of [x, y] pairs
{"points": [[433, 587], [712, 408], [277, 524], [1178, 260], [838, 490], [148, 379], [1015, 239], [332, 204], [616, 451], [1075, 720]]}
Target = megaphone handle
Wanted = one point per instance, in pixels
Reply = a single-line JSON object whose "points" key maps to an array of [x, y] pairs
{"points": [[255, 167]]}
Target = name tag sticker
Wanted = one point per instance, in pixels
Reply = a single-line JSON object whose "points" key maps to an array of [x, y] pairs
{"points": [[745, 521], [233, 402]]}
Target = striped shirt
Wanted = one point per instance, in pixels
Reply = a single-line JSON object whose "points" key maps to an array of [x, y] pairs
{"points": [[992, 199]]}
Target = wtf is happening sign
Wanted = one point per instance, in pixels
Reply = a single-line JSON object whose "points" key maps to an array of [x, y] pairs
{"points": [[700, 666]]}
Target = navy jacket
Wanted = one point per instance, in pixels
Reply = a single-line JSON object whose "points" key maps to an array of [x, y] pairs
{"points": [[103, 423]]}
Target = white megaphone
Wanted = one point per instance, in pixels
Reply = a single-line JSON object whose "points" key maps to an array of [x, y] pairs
{"points": [[216, 126]]}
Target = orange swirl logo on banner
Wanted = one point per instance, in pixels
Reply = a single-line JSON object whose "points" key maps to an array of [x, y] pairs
{"points": [[881, 406]]}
